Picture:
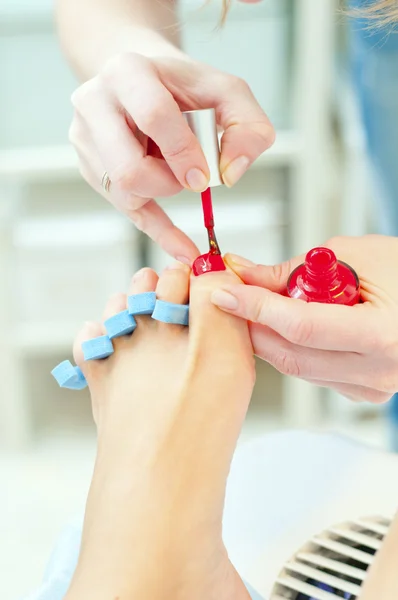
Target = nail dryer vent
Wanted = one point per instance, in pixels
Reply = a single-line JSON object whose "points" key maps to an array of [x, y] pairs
{"points": [[333, 564]]}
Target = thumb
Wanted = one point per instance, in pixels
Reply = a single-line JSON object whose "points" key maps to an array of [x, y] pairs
{"points": [[247, 130], [273, 277]]}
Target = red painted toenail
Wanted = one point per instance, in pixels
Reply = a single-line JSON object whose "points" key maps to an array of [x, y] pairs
{"points": [[208, 263]]}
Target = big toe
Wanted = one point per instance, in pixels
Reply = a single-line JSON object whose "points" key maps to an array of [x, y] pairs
{"points": [[217, 332]]}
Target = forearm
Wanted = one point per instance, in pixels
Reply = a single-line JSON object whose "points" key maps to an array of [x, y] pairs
{"points": [[93, 31], [382, 581]]}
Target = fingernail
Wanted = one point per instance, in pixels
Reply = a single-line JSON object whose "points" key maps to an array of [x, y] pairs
{"points": [[185, 260], [235, 170], [197, 180], [239, 261], [224, 299]]}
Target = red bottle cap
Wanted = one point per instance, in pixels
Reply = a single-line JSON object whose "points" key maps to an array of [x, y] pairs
{"points": [[323, 278]]}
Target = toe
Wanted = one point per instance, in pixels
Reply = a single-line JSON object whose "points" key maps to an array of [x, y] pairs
{"points": [[115, 305], [142, 296], [118, 323], [173, 284], [87, 332], [202, 287], [143, 281], [227, 338]]}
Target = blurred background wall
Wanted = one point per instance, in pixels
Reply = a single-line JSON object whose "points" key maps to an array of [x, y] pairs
{"points": [[63, 250]]}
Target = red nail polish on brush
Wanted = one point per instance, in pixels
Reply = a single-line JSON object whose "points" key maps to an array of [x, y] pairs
{"points": [[204, 126], [324, 278], [212, 260]]}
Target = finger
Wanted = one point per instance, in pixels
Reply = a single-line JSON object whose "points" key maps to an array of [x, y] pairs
{"points": [[326, 327], [127, 164], [334, 370], [355, 393], [92, 170], [158, 115], [307, 363], [145, 213], [273, 277], [247, 129], [152, 220], [121, 154]]}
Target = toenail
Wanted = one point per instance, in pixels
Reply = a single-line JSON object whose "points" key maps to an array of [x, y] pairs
{"points": [[138, 275], [178, 266], [144, 272], [208, 263]]}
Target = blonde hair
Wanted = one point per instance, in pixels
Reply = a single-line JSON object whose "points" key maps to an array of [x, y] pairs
{"points": [[225, 8], [381, 12]]}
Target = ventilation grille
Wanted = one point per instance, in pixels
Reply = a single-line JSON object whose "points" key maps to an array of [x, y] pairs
{"points": [[333, 564]]}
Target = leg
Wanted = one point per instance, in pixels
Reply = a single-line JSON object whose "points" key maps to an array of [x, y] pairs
{"points": [[169, 405]]}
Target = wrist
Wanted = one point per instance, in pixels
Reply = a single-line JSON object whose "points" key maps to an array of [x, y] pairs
{"points": [[123, 39], [146, 41]]}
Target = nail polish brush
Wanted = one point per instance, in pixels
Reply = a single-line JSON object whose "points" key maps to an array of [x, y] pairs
{"points": [[204, 125]]}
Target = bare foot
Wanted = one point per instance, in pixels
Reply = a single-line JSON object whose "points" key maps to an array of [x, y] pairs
{"points": [[169, 405]]}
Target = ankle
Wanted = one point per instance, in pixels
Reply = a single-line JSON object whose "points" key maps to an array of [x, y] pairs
{"points": [[215, 582]]}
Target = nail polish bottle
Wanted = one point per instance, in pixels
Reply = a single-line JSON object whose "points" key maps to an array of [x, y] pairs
{"points": [[204, 125], [324, 278]]}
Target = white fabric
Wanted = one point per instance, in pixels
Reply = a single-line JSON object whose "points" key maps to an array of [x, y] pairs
{"points": [[276, 481]]}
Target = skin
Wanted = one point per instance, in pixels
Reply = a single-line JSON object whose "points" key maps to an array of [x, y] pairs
{"points": [[131, 93], [351, 349], [153, 518], [382, 580], [135, 83]]}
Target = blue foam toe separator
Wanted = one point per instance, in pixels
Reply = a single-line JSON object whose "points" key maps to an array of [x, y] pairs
{"points": [[121, 324], [69, 377], [142, 304], [99, 347], [177, 314]]}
